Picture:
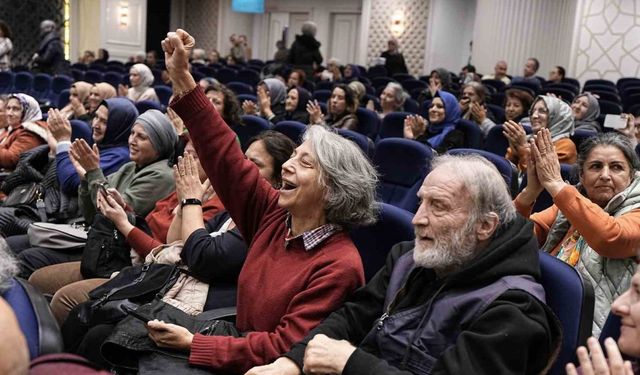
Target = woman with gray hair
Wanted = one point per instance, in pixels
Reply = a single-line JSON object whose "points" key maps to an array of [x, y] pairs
{"points": [[305, 50], [301, 263], [141, 79], [392, 99], [594, 225]]}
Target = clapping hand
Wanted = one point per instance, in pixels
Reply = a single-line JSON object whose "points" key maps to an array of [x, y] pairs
{"points": [[88, 158], [123, 89], [434, 87], [593, 361], [546, 162], [249, 107], [478, 113], [314, 111], [176, 121], [59, 126], [516, 136], [325, 355], [187, 179], [414, 126]]}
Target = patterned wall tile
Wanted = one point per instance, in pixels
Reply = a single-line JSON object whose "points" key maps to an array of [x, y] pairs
{"points": [[413, 39], [203, 23], [608, 39]]}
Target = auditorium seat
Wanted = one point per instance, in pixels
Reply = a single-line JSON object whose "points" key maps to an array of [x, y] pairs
{"points": [[251, 126], [6, 82], [249, 77], [226, 75], [112, 78], [292, 129], [472, 133], [59, 84], [365, 143], [580, 135], [23, 82], [80, 129], [93, 76], [34, 317], [376, 240], [322, 96], [402, 165], [368, 122], [240, 88], [572, 303], [393, 125], [145, 105]]}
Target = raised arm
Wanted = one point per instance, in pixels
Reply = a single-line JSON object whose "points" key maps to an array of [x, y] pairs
{"points": [[245, 194]]}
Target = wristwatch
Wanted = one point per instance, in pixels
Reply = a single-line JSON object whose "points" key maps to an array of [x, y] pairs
{"points": [[189, 201]]}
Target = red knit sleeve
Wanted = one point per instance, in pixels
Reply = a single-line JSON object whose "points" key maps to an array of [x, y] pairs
{"points": [[245, 194], [328, 288], [141, 242]]}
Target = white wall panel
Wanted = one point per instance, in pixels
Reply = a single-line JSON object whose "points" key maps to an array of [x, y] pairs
{"points": [[121, 40]]}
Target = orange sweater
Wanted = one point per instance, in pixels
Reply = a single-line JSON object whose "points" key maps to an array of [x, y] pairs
{"points": [[565, 149], [611, 237]]}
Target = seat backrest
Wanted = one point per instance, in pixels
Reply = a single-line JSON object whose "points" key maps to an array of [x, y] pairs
{"points": [[93, 76], [23, 82], [164, 93], [321, 95], [365, 143], [243, 97], [113, 78], [249, 77], [506, 169], [240, 88], [497, 111], [402, 165], [374, 241], [472, 133], [145, 105], [252, 126], [34, 317], [572, 300], [377, 71], [6, 82], [292, 129], [62, 98], [610, 108], [226, 75], [368, 122], [411, 105], [496, 142], [393, 125], [605, 82], [580, 135]]}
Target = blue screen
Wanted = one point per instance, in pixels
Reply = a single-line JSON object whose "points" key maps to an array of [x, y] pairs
{"points": [[248, 6]]}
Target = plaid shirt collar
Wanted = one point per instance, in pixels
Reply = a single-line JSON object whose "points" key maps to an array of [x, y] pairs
{"points": [[311, 238]]}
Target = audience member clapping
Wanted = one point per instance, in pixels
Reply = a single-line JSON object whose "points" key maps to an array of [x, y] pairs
{"points": [[592, 226], [342, 106], [439, 79], [296, 105], [472, 104], [272, 94], [440, 131], [78, 107], [550, 113], [517, 106]]}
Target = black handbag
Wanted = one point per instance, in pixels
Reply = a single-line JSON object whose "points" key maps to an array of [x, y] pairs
{"points": [[132, 287], [106, 250], [25, 194]]}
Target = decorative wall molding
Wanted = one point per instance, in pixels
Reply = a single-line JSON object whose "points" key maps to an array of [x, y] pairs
{"points": [[607, 41], [123, 39]]}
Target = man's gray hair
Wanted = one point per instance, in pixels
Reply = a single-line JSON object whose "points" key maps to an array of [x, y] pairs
{"points": [[488, 190], [348, 177], [309, 28], [8, 266]]}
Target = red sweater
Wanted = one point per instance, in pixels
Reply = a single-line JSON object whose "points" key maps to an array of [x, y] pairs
{"points": [[159, 221], [282, 292]]}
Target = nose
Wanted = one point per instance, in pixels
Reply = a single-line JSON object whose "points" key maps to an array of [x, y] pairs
{"points": [[420, 218], [605, 173], [620, 305]]}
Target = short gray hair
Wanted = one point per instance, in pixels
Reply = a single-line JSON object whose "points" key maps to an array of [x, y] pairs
{"points": [[479, 176], [309, 28], [612, 139], [8, 266], [348, 177], [398, 93]]}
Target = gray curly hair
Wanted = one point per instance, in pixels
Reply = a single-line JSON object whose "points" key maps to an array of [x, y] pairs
{"points": [[348, 176], [8, 266]]}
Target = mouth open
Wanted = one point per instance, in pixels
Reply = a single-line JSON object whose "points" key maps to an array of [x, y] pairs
{"points": [[287, 186]]}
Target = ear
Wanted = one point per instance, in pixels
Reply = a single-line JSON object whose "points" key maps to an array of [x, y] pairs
{"points": [[487, 226]]}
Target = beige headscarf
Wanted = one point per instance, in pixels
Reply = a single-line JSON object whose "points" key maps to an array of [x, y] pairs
{"points": [[83, 89]]}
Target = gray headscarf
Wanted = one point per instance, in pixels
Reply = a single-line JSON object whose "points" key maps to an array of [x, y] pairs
{"points": [[160, 131], [589, 121], [277, 90], [560, 121]]}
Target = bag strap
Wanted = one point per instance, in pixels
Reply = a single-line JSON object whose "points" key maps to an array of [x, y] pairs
{"points": [[40, 206], [105, 298]]}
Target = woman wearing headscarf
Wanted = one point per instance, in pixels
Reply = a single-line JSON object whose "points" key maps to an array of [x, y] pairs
{"points": [[78, 106], [296, 105], [586, 110], [440, 131], [271, 97], [26, 129], [141, 79], [137, 185], [111, 127], [546, 112]]}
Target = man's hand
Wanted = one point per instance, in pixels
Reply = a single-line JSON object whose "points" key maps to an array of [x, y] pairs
{"points": [[167, 335], [325, 355], [282, 366]]}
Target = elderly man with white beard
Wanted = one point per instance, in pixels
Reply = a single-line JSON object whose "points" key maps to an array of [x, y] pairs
{"points": [[463, 298]]}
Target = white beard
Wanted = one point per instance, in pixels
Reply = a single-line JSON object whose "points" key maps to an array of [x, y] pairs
{"points": [[450, 251]]}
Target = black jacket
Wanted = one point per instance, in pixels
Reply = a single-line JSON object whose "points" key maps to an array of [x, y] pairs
{"points": [[304, 51], [516, 334], [50, 54]]}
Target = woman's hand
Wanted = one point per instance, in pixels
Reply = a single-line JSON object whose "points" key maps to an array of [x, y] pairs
{"points": [[264, 102], [594, 361], [82, 173], [123, 89], [208, 191], [112, 210], [533, 189], [177, 47], [187, 180], [59, 126], [314, 111], [281, 366], [433, 87], [516, 135], [414, 126], [78, 107], [167, 335], [464, 104], [249, 107], [478, 113], [88, 158], [176, 121], [629, 130], [547, 164]]}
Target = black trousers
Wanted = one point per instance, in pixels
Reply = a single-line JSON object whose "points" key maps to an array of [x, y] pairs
{"points": [[33, 258]]}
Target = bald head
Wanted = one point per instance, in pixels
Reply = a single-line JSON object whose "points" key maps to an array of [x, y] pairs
{"points": [[500, 70]]}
